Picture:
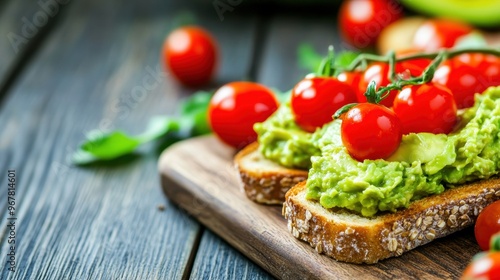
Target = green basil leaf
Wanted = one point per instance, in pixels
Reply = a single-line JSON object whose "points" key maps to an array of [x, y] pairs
{"points": [[105, 146], [196, 102], [158, 127], [193, 121], [472, 40], [308, 58], [345, 58]]}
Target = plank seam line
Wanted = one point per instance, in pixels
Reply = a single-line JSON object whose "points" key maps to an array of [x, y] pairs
{"points": [[25, 55], [192, 255], [260, 38]]}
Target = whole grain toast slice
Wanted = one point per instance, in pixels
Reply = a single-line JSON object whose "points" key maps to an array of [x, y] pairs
{"points": [[265, 181], [349, 237]]}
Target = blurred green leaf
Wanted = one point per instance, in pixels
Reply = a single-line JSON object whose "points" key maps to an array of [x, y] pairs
{"points": [[309, 59], [107, 146]]}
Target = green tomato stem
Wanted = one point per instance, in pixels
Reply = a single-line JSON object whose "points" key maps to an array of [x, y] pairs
{"points": [[362, 59], [397, 83]]}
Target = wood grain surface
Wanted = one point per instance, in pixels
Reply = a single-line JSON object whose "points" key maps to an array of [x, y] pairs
{"points": [[23, 26], [102, 222], [199, 175]]}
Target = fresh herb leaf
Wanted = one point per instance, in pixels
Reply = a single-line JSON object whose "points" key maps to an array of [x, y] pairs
{"points": [[158, 127], [472, 40], [101, 146], [345, 58], [105, 146], [196, 102], [309, 59], [312, 61]]}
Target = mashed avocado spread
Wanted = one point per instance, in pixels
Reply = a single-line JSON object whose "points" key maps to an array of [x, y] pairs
{"points": [[424, 163]]}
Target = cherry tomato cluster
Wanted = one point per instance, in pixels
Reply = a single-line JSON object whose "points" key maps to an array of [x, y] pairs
{"points": [[374, 131]]}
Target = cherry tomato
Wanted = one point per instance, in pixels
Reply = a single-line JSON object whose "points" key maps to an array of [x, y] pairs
{"points": [[485, 267], [463, 80], [436, 34], [415, 66], [351, 78], [236, 107], [191, 55], [361, 21], [488, 66], [370, 131], [426, 108], [379, 72], [315, 100], [487, 224]]}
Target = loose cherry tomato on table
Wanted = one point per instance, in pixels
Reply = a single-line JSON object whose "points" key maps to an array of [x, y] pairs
{"points": [[191, 55], [463, 80], [436, 34], [485, 265], [361, 21], [370, 131], [316, 99], [236, 107], [426, 108], [487, 224]]}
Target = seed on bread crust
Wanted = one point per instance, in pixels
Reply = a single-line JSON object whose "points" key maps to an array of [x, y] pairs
{"points": [[265, 181], [338, 234]]}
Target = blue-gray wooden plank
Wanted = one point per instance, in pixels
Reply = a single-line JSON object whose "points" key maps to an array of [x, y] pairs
{"points": [[217, 260], [279, 66], [22, 24], [100, 222]]}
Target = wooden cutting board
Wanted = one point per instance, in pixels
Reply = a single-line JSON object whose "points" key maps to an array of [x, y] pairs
{"points": [[199, 176]]}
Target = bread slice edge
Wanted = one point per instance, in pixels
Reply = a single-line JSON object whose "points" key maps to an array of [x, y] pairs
{"points": [[265, 181], [348, 237]]}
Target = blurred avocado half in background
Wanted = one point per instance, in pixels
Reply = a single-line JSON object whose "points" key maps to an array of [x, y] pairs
{"points": [[481, 13]]}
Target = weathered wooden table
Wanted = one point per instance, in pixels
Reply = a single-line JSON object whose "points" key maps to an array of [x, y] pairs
{"points": [[68, 67]]}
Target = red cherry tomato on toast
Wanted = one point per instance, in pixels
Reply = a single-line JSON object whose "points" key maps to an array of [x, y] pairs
{"points": [[463, 80], [487, 224], [488, 67], [361, 21], [370, 131], [351, 78], [191, 54], [315, 100], [379, 72], [236, 107], [426, 108]]}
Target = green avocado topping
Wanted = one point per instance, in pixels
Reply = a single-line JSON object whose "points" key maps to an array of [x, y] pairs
{"points": [[424, 163]]}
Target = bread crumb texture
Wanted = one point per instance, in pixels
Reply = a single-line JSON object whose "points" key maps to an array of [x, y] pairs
{"points": [[348, 237]]}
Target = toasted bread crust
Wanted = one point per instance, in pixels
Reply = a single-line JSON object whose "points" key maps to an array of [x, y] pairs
{"points": [[348, 237], [265, 181]]}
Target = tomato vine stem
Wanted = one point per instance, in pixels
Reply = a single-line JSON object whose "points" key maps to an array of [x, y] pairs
{"points": [[362, 59]]}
